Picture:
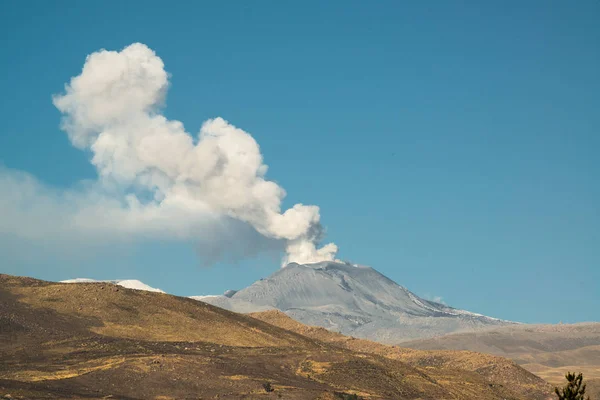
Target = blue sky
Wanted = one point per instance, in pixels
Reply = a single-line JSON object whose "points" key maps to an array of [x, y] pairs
{"points": [[453, 146]]}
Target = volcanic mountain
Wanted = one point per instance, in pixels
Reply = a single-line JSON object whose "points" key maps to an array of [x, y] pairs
{"points": [[352, 300]]}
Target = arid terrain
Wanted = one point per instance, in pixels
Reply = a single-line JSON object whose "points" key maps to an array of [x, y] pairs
{"points": [[548, 351], [99, 340]]}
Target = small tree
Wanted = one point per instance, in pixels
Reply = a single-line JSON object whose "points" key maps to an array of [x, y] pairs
{"points": [[574, 390]]}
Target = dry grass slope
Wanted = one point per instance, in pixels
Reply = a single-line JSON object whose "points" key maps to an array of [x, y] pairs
{"points": [[98, 340], [463, 373], [549, 351]]}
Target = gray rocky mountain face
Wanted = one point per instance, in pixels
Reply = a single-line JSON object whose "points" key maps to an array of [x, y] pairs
{"points": [[353, 300]]}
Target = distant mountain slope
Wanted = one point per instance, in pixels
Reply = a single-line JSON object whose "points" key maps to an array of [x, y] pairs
{"points": [[353, 300], [546, 350], [99, 340]]}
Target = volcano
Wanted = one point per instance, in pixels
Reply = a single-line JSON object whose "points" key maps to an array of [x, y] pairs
{"points": [[353, 300]]}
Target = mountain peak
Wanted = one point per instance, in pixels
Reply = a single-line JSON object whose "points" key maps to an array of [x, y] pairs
{"points": [[327, 265], [354, 300]]}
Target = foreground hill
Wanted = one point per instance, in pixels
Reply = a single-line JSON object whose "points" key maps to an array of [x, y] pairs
{"points": [[352, 300], [100, 340], [453, 369], [549, 351]]}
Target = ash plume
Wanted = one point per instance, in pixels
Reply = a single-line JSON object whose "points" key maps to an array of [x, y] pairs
{"points": [[154, 178]]}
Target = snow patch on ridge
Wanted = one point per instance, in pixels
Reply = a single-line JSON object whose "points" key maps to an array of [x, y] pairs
{"points": [[126, 283]]}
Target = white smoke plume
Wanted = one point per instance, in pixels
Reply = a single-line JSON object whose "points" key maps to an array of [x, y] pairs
{"points": [[154, 178]]}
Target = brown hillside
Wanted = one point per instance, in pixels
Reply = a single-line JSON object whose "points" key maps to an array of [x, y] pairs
{"points": [[98, 340], [449, 368], [549, 351]]}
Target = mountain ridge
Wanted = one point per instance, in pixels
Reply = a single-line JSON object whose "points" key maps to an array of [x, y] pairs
{"points": [[126, 283]]}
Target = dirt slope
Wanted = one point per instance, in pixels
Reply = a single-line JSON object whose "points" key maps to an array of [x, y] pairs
{"points": [[98, 340]]}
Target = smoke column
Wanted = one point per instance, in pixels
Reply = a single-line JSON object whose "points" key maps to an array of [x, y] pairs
{"points": [[164, 178]]}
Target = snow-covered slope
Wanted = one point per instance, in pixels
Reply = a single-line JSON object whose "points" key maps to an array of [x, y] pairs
{"points": [[126, 283], [353, 300]]}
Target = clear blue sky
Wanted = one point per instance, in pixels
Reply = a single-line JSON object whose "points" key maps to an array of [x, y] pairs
{"points": [[453, 146]]}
